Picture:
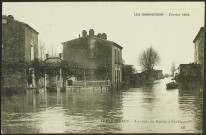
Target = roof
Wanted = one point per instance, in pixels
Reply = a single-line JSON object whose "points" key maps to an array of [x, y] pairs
{"points": [[6, 17], [115, 44], [202, 29], [53, 60]]}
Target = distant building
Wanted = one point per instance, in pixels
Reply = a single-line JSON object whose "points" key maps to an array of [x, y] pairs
{"points": [[157, 74], [153, 74], [101, 58], [19, 48], [199, 47]]}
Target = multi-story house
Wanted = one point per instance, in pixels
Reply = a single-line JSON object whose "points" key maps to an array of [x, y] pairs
{"points": [[199, 47], [19, 49], [100, 58]]}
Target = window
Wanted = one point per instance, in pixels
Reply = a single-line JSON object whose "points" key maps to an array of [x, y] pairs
{"points": [[118, 57], [4, 21], [117, 76], [32, 52], [115, 56]]}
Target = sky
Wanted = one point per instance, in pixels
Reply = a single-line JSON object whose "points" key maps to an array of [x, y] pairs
{"points": [[171, 36]]}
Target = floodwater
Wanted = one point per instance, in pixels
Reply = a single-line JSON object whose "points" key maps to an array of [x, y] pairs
{"points": [[148, 109]]}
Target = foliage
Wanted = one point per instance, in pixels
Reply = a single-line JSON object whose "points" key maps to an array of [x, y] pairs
{"points": [[148, 59]]}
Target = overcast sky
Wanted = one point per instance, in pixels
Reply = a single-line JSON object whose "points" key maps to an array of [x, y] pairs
{"points": [[171, 36]]}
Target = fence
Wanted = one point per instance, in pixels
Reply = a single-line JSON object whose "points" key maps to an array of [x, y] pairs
{"points": [[92, 83]]}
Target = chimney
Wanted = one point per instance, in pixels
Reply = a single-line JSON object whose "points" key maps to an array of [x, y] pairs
{"points": [[91, 32], [104, 36], [84, 33], [11, 17], [99, 35], [47, 56], [60, 55]]}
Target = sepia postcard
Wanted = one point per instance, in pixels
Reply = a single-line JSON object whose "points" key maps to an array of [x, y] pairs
{"points": [[102, 67]]}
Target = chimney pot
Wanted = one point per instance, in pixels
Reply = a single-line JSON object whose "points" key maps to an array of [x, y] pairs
{"points": [[84, 33], [99, 35], [47, 56], [91, 32], [10, 17], [104, 36], [60, 55]]}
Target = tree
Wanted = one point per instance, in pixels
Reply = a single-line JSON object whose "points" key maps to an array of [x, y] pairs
{"points": [[41, 49], [148, 59], [172, 69]]}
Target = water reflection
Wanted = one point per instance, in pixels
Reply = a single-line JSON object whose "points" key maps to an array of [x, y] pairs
{"points": [[137, 110]]}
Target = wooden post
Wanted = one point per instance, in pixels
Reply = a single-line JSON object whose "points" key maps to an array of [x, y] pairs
{"points": [[44, 82], [33, 79], [56, 82], [84, 79], [60, 75]]}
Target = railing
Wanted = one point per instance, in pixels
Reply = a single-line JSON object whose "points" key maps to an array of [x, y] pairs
{"points": [[92, 83]]}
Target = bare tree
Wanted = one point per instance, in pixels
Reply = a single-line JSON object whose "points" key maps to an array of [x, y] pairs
{"points": [[41, 49], [148, 59], [172, 69]]}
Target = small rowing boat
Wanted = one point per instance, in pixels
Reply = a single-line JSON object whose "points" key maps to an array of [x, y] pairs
{"points": [[172, 85]]}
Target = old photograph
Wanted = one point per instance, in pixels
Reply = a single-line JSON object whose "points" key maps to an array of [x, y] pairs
{"points": [[102, 67]]}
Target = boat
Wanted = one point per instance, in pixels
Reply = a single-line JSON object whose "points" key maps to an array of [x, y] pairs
{"points": [[172, 85]]}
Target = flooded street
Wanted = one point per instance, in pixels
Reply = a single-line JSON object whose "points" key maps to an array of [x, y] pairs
{"points": [[148, 109]]}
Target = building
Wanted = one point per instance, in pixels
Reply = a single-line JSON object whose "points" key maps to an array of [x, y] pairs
{"points": [[19, 49], [199, 47], [189, 73], [157, 74], [100, 58], [153, 75], [193, 72]]}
